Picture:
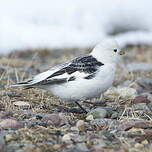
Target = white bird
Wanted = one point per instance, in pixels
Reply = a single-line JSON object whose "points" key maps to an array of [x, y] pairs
{"points": [[82, 78]]}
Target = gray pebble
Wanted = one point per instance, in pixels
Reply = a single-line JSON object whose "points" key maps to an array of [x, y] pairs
{"points": [[98, 113]]}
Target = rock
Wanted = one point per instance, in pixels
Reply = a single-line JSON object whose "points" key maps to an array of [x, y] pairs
{"points": [[148, 96], [74, 129], [2, 148], [99, 124], [138, 145], [57, 147], [21, 104], [80, 125], [10, 123], [5, 115], [124, 93], [98, 148], [89, 117], [144, 142], [142, 108], [2, 141], [8, 137], [146, 83], [140, 99], [98, 113], [126, 125], [67, 137], [81, 147], [115, 115], [56, 120]]}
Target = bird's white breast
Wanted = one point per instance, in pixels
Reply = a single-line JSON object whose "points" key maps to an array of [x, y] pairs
{"points": [[82, 89]]}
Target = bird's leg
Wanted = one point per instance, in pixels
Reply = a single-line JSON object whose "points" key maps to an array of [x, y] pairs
{"points": [[81, 107]]}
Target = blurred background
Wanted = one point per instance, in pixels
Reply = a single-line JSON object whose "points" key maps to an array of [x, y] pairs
{"points": [[56, 24]]}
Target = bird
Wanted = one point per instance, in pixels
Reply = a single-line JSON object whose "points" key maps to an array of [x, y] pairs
{"points": [[82, 78]]}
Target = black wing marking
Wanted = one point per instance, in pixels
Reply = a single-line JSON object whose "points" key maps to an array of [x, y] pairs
{"points": [[87, 64], [56, 81]]}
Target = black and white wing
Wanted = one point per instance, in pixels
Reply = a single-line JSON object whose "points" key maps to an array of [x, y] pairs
{"points": [[85, 67]]}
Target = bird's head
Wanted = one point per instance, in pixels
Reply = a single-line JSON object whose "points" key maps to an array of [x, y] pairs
{"points": [[108, 51]]}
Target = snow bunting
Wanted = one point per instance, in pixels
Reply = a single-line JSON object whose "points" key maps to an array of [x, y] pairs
{"points": [[82, 78]]}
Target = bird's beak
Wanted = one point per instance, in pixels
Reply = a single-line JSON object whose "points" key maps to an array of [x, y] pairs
{"points": [[122, 52]]}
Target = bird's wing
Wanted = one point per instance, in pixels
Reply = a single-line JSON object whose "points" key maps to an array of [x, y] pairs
{"points": [[81, 67]]}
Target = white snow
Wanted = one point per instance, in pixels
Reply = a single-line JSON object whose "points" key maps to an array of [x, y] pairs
{"points": [[73, 23]]}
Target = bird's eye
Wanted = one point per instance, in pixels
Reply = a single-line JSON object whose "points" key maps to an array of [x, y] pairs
{"points": [[115, 50]]}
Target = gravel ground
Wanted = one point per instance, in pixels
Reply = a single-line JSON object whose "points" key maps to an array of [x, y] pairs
{"points": [[34, 120]]}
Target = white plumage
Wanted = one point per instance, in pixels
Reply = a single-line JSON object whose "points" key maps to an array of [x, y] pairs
{"points": [[82, 78]]}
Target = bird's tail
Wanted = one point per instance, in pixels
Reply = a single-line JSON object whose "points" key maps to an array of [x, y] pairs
{"points": [[25, 84]]}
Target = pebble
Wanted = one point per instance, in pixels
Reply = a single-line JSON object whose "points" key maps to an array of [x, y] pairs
{"points": [[67, 137], [8, 137], [100, 123], [80, 125], [148, 96], [144, 142], [10, 123], [126, 125], [56, 120], [140, 99], [98, 148], [98, 113], [143, 107], [138, 145], [115, 115], [81, 147], [145, 82], [89, 117], [21, 104], [2, 141], [125, 93]]}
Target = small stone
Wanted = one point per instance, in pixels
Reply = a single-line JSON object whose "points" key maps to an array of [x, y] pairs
{"points": [[2, 148], [98, 148], [2, 142], [114, 115], [22, 105], [98, 113], [67, 137], [138, 145], [144, 142], [81, 147], [80, 125], [141, 99], [101, 123], [57, 147], [148, 96], [10, 123], [8, 137], [146, 83], [142, 107], [89, 117], [126, 125], [57, 120], [75, 129], [124, 93]]}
